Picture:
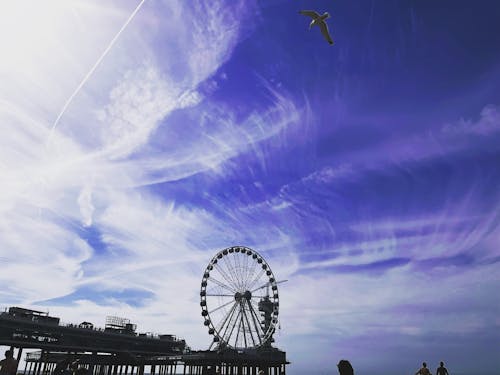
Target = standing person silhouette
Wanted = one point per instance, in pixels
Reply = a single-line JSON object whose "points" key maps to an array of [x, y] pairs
{"points": [[8, 366], [441, 370], [424, 370], [345, 367]]}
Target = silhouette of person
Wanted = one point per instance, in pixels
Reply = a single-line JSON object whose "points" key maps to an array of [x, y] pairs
{"points": [[8, 366], [345, 367], [441, 370], [424, 370]]}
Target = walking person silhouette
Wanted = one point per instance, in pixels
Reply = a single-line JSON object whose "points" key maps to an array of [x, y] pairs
{"points": [[424, 370], [441, 370]]}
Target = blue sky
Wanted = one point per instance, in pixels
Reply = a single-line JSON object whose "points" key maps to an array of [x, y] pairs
{"points": [[366, 173]]}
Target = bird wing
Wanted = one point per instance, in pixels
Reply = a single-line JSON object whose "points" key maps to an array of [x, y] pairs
{"points": [[324, 30], [310, 13]]}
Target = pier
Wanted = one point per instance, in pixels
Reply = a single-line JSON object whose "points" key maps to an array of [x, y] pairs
{"points": [[119, 350]]}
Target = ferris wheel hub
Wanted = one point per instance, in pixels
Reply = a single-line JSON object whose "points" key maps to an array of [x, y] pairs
{"points": [[246, 295]]}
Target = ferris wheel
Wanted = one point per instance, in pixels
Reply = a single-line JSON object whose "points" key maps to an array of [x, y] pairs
{"points": [[239, 299]]}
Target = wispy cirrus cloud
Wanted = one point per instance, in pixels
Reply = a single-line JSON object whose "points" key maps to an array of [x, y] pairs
{"points": [[52, 190], [81, 197], [488, 123]]}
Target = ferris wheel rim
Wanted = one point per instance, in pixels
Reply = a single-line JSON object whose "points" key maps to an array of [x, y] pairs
{"points": [[240, 295]]}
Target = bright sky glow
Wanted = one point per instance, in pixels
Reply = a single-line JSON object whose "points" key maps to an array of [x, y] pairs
{"points": [[366, 172]]}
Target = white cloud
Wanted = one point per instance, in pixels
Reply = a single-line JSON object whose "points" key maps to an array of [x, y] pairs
{"points": [[86, 206], [84, 179], [48, 190], [347, 305], [488, 123], [212, 140], [137, 104], [328, 174]]}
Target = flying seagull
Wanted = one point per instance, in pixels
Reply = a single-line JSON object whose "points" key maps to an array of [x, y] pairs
{"points": [[320, 21]]}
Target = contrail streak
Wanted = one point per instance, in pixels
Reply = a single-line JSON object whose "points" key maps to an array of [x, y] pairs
{"points": [[85, 79]]}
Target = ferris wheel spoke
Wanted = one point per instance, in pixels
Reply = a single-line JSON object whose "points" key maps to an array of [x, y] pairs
{"points": [[237, 269], [239, 327], [248, 324], [255, 309], [243, 271], [255, 321], [225, 276], [220, 307], [220, 295], [230, 270], [225, 319], [222, 285], [251, 274], [256, 279], [247, 270], [217, 289], [243, 324], [261, 287], [232, 324], [230, 327], [228, 283]]}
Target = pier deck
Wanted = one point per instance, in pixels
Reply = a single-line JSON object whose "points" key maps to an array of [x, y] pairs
{"points": [[122, 351]]}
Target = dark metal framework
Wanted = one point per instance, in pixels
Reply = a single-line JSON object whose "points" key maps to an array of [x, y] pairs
{"points": [[229, 362], [239, 299]]}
